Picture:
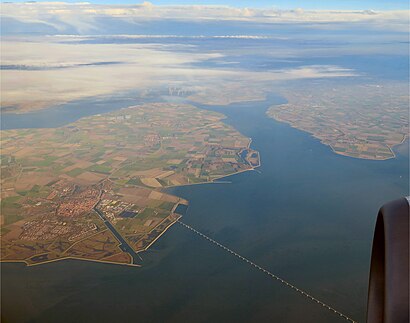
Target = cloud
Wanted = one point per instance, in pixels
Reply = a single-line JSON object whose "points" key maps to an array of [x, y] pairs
{"points": [[80, 62], [86, 18], [55, 72]]}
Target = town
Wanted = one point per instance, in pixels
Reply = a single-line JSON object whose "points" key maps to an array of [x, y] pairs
{"points": [[92, 189]]}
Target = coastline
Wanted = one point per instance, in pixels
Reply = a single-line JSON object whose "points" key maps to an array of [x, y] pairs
{"points": [[391, 148], [362, 158], [215, 180], [97, 260], [68, 258]]}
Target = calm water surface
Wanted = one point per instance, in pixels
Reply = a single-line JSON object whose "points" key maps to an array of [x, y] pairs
{"points": [[307, 215], [70, 112]]}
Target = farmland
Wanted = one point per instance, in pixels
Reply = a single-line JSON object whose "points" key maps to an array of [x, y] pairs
{"points": [[364, 121], [55, 180]]}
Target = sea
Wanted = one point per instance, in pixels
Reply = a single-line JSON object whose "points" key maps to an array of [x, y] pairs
{"points": [[306, 214]]}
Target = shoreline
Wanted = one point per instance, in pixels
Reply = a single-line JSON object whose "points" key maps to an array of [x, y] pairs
{"points": [[391, 148], [68, 258], [212, 181], [97, 260], [405, 137]]}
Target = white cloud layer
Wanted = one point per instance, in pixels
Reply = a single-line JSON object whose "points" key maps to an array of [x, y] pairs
{"points": [[83, 16], [75, 62], [47, 73]]}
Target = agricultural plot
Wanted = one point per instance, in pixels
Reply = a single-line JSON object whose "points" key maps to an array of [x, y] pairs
{"points": [[62, 187], [364, 121]]}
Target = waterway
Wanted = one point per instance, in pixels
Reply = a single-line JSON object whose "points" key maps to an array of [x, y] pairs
{"points": [[124, 246], [307, 215]]}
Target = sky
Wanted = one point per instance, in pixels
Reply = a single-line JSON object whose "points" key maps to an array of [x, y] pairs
{"points": [[280, 4]]}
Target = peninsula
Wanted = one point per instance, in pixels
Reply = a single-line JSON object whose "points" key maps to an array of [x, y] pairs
{"points": [[92, 190], [362, 121]]}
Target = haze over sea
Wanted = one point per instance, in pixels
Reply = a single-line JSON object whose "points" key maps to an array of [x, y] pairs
{"points": [[307, 214]]}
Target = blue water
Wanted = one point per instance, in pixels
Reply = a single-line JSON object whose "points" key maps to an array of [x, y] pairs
{"points": [[63, 114], [181, 209], [307, 216]]}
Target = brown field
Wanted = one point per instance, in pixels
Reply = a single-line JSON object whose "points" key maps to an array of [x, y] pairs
{"points": [[24, 152], [121, 258], [78, 164], [155, 195], [165, 174], [135, 191], [174, 161], [90, 177], [151, 182], [56, 176], [98, 246]]}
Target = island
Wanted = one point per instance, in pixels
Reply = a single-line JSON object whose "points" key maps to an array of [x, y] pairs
{"points": [[361, 120], [94, 189]]}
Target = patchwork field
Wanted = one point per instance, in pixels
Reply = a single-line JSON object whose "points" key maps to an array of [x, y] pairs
{"points": [[90, 189], [363, 121]]}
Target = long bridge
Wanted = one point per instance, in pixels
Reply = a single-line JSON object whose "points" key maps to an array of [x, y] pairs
{"points": [[271, 275]]}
